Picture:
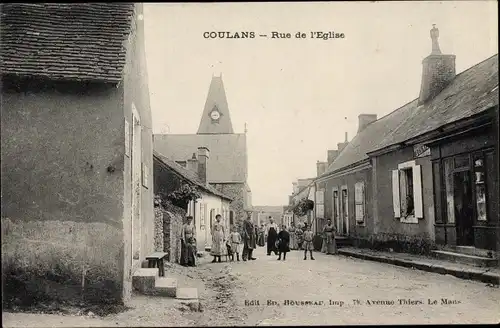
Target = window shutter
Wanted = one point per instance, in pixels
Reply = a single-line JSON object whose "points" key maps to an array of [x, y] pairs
{"points": [[395, 194], [417, 191], [362, 200]]}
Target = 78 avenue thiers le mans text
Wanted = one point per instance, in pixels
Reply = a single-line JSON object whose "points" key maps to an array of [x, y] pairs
{"points": [[338, 303]]}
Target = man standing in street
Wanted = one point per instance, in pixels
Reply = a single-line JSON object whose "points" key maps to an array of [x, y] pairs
{"points": [[249, 238]]}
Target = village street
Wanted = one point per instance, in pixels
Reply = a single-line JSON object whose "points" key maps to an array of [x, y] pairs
{"points": [[224, 288]]}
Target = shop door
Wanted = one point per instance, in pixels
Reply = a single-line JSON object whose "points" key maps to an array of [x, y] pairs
{"points": [[462, 194]]}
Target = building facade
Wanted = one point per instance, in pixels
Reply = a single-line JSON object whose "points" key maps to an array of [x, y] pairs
{"points": [[465, 180], [77, 200], [228, 168], [170, 176], [417, 176]]}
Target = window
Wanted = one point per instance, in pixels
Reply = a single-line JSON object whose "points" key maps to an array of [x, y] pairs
{"points": [[359, 199], [212, 218], [335, 209], [407, 192], [480, 184], [320, 207], [448, 187], [231, 217], [203, 209]]}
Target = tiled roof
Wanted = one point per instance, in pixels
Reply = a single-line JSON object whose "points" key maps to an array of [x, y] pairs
{"points": [[370, 137], [471, 92], [188, 175], [80, 41], [228, 153]]}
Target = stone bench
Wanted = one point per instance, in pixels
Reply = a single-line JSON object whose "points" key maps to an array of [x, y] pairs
{"points": [[156, 260]]}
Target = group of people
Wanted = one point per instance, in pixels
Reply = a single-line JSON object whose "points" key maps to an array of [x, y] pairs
{"points": [[286, 240], [279, 241], [220, 244]]}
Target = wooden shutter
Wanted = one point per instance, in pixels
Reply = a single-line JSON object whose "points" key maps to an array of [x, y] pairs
{"points": [[202, 214], [359, 200], [417, 191], [395, 194]]}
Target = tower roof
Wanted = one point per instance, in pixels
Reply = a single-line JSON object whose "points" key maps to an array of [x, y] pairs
{"points": [[216, 118]]}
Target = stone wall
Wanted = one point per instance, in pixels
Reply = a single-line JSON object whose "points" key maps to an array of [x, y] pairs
{"points": [[173, 219], [159, 233], [420, 244]]}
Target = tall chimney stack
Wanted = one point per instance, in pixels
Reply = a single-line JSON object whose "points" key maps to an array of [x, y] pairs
{"points": [[203, 156], [331, 156], [321, 167], [364, 120], [192, 164], [438, 70]]}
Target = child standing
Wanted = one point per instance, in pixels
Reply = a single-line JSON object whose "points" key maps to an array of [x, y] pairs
{"points": [[308, 243], [235, 241], [284, 243]]}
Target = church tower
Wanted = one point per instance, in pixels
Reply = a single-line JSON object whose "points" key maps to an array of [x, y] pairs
{"points": [[216, 118]]}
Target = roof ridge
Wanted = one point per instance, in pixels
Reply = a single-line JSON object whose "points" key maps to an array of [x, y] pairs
{"points": [[190, 175], [55, 41]]}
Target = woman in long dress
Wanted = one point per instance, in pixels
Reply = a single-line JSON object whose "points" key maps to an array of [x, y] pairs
{"points": [[188, 243], [293, 237], [329, 237], [217, 249], [299, 235], [261, 239], [272, 237]]}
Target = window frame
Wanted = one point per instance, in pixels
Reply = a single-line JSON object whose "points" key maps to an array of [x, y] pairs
{"points": [[360, 202], [418, 206]]}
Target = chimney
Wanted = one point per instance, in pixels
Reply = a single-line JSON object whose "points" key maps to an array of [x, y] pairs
{"points": [[192, 164], [321, 167], [342, 145], [203, 156], [364, 120], [332, 155], [437, 72], [181, 163]]}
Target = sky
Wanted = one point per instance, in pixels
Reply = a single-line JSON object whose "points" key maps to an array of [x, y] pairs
{"points": [[298, 97]]}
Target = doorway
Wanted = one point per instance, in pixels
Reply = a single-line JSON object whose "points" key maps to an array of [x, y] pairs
{"points": [[136, 175], [463, 201], [336, 213], [345, 212]]}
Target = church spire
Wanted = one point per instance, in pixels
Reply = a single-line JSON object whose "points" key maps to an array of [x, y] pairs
{"points": [[215, 118]]}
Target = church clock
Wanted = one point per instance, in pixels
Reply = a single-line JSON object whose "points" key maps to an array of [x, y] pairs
{"points": [[214, 114]]}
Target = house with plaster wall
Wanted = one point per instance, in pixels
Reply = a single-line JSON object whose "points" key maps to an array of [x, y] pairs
{"points": [[417, 177], [169, 176], [441, 164], [76, 151]]}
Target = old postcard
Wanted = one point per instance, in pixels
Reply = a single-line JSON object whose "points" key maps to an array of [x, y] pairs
{"points": [[249, 164]]}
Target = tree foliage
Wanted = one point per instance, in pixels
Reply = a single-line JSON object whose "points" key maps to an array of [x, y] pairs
{"points": [[303, 206]]}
